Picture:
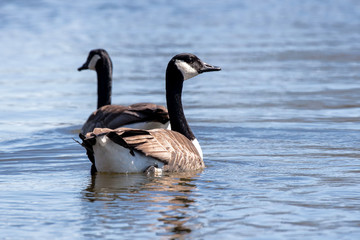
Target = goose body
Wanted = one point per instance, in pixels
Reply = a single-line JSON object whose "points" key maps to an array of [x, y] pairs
{"points": [[140, 115], [125, 150]]}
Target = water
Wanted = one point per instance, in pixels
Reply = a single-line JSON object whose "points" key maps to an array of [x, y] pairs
{"points": [[279, 126]]}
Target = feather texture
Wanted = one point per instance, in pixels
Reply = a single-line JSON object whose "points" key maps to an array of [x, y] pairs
{"points": [[169, 147], [136, 150], [115, 116]]}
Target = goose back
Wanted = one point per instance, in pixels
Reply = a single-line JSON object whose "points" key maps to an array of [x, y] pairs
{"points": [[174, 150], [115, 116]]}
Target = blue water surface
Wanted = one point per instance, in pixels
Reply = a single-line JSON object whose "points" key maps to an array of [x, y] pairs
{"points": [[279, 125]]}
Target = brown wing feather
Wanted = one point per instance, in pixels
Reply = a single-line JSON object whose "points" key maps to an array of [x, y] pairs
{"points": [[114, 116], [175, 150]]}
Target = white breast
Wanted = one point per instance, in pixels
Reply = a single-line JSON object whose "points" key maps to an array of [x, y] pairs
{"points": [[197, 146]]}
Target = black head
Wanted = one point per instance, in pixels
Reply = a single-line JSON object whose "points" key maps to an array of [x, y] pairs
{"points": [[94, 58], [190, 65]]}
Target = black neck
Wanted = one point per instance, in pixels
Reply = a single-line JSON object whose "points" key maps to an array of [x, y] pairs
{"points": [[174, 85], [104, 75]]}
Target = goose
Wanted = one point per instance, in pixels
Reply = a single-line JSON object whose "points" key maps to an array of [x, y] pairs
{"points": [[126, 150], [139, 115]]}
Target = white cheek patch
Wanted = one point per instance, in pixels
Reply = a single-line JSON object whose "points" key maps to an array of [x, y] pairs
{"points": [[93, 62], [186, 70]]}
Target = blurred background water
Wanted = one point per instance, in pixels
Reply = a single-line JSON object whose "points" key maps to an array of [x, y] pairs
{"points": [[279, 125]]}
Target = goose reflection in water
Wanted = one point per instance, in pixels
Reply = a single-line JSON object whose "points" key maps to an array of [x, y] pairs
{"points": [[166, 204]]}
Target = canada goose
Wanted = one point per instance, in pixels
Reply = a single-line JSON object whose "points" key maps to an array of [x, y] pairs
{"points": [[140, 115], [127, 150]]}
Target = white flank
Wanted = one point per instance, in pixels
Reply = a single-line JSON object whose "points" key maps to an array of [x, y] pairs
{"points": [[186, 70], [197, 146], [148, 125], [111, 157], [93, 62]]}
